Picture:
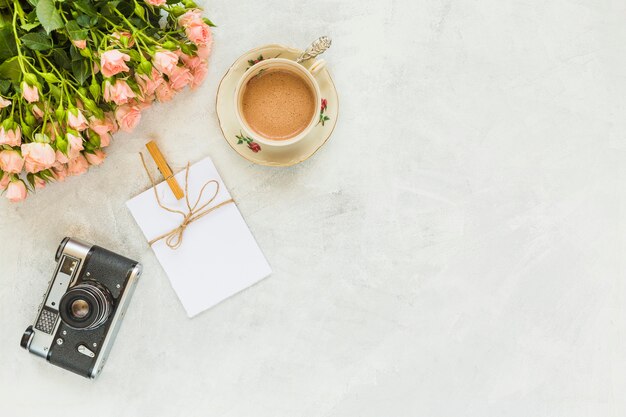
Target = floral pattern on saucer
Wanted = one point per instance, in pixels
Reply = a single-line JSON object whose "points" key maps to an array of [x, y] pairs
{"points": [[252, 145], [323, 117]]}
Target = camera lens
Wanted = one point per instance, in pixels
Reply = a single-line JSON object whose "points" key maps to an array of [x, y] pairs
{"points": [[80, 309], [86, 306]]}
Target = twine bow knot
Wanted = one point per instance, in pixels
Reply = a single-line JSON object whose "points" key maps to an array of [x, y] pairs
{"points": [[174, 238]]}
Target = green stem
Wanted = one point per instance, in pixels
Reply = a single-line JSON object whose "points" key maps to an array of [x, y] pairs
{"points": [[17, 39]]}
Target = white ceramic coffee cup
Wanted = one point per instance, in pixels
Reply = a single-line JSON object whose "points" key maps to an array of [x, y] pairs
{"points": [[287, 65]]}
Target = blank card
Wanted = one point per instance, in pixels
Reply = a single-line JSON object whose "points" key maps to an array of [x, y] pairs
{"points": [[218, 256]]}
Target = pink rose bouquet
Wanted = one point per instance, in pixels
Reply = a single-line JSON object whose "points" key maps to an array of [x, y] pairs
{"points": [[74, 73]]}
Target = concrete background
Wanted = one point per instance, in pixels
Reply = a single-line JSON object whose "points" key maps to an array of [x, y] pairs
{"points": [[456, 249]]}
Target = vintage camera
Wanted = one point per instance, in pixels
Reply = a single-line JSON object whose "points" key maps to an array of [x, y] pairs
{"points": [[83, 308]]}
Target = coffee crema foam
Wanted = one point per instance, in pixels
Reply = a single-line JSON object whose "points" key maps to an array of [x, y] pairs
{"points": [[278, 104]]}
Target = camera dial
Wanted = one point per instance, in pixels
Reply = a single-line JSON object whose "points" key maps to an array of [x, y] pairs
{"points": [[86, 306]]}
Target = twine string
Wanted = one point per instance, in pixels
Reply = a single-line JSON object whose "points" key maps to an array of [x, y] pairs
{"points": [[174, 238]]}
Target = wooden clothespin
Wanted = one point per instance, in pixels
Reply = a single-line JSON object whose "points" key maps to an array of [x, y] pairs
{"points": [[165, 169]]}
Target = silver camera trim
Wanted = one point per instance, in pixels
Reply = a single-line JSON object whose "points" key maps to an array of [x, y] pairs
{"points": [[40, 342]]}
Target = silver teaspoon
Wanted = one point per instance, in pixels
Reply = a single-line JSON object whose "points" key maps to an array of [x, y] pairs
{"points": [[317, 48]]}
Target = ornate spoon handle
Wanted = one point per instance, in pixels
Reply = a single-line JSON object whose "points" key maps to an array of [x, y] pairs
{"points": [[317, 48]]}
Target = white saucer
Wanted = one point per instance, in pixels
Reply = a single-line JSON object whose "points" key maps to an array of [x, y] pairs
{"points": [[273, 155]]}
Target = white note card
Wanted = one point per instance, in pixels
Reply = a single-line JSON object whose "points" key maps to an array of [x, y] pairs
{"points": [[218, 257]]}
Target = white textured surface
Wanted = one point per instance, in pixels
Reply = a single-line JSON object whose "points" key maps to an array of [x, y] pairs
{"points": [[456, 249]]}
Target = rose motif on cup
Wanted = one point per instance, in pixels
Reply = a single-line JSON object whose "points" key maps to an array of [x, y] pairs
{"points": [[323, 117], [252, 62], [252, 145]]}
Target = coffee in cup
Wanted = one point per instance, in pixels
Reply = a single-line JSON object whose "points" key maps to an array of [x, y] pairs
{"points": [[278, 102]]}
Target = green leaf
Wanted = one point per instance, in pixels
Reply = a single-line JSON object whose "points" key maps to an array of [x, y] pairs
{"points": [[5, 19], [80, 70], [48, 15], [84, 20], [4, 86], [8, 48], [61, 59], [30, 26], [31, 180], [75, 32], [46, 174], [37, 41], [86, 7], [126, 8], [208, 22], [10, 70]]}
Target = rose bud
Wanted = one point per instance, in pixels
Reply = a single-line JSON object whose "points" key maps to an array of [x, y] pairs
{"points": [[16, 191]]}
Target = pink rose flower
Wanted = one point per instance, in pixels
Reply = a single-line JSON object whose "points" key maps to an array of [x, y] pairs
{"points": [[105, 140], [4, 102], [157, 3], [4, 181], [60, 171], [38, 156], [119, 35], [95, 158], [181, 55], [61, 158], [111, 122], [149, 84], [180, 78], [165, 61], [11, 161], [51, 130], [199, 69], [113, 62], [12, 137], [39, 182], [30, 94], [142, 105], [164, 93], [74, 145], [190, 17], [16, 191], [128, 117], [80, 44], [120, 92], [37, 112], [77, 166], [100, 126], [204, 51], [76, 120], [199, 33]]}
